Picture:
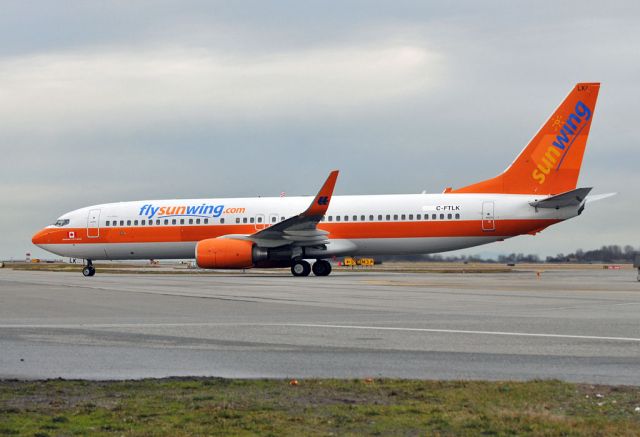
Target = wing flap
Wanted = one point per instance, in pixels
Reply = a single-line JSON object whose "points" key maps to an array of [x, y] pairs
{"points": [[306, 233]]}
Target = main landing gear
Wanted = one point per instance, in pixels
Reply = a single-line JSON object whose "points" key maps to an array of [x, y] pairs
{"points": [[321, 268], [303, 268], [89, 269]]}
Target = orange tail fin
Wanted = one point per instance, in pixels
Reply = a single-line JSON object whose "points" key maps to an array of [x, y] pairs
{"points": [[550, 163]]}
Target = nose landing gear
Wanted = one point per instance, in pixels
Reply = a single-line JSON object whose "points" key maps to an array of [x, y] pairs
{"points": [[89, 270]]}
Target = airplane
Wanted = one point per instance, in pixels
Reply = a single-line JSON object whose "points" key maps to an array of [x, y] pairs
{"points": [[537, 190]]}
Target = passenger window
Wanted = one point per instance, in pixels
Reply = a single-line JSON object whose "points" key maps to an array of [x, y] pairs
{"points": [[174, 221], [337, 218], [388, 217], [206, 221], [251, 220], [190, 221], [418, 216], [135, 223], [330, 218], [346, 218], [355, 218], [197, 221], [182, 221], [158, 222], [273, 219], [449, 216], [380, 217], [238, 220], [370, 218], [166, 221], [222, 220], [410, 216], [434, 216], [259, 219], [282, 218], [107, 222], [244, 219], [457, 216], [395, 216], [143, 222], [441, 216], [128, 222], [403, 216], [150, 222]]}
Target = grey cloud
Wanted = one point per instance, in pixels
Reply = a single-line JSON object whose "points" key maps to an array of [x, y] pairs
{"points": [[118, 100]]}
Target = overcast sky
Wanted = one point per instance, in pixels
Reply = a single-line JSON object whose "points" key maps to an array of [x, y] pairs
{"points": [[127, 100]]}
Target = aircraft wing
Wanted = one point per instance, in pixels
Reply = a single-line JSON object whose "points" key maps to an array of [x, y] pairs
{"points": [[300, 230]]}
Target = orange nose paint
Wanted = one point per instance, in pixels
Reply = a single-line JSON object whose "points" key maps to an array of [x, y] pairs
{"points": [[43, 236]]}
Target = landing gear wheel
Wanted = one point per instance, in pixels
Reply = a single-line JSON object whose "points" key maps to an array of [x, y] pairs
{"points": [[300, 268], [321, 268], [89, 271]]}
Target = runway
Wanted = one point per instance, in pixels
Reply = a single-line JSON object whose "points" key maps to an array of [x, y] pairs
{"points": [[574, 325]]}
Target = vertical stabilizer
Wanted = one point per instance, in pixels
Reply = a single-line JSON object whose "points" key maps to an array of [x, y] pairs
{"points": [[550, 163]]}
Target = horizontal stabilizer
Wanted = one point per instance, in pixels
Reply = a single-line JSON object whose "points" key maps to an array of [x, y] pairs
{"points": [[570, 198], [599, 197]]}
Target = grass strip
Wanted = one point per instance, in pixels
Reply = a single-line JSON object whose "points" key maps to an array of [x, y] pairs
{"points": [[213, 406]]}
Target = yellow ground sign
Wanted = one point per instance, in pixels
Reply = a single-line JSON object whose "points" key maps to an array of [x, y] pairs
{"points": [[352, 262]]}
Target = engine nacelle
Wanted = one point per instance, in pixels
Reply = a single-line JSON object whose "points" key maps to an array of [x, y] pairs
{"points": [[227, 253]]}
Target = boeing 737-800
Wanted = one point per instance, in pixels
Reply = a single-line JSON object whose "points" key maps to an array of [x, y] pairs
{"points": [[537, 190]]}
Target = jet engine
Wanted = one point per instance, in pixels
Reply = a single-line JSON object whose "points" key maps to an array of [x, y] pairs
{"points": [[228, 253]]}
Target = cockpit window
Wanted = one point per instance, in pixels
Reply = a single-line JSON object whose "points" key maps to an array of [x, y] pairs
{"points": [[61, 222]]}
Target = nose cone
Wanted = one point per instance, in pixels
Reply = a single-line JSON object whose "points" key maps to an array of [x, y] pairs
{"points": [[40, 237]]}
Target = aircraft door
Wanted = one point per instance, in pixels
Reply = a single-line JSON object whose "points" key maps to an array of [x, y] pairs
{"points": [[93, 223], [488, 220]]}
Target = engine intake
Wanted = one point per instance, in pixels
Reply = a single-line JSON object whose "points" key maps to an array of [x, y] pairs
{"points": [[227, 253]]}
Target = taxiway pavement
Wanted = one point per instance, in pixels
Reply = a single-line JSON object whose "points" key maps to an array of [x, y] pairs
{"points": [[575, 325]]}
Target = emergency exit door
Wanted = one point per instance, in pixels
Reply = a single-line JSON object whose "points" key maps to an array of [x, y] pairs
{"points": [[488, 220], [93, 223]]}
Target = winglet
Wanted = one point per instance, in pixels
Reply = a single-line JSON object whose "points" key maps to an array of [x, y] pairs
{"points": [[320, 203]]}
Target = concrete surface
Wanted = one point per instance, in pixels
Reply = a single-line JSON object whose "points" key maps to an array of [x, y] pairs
{"points": [[577, 325]]}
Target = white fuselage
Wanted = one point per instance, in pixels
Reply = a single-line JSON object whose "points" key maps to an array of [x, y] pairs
{"points": [[357, 225]]}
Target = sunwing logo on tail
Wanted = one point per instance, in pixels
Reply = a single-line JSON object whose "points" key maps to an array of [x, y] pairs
{"points": [[567, 134]]}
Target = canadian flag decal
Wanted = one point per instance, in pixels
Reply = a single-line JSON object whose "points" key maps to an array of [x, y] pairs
{"points": [[72, 234]]}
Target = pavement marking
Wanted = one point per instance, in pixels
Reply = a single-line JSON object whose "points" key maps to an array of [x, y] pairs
{"points": [[313, 325], [460, 331]]}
